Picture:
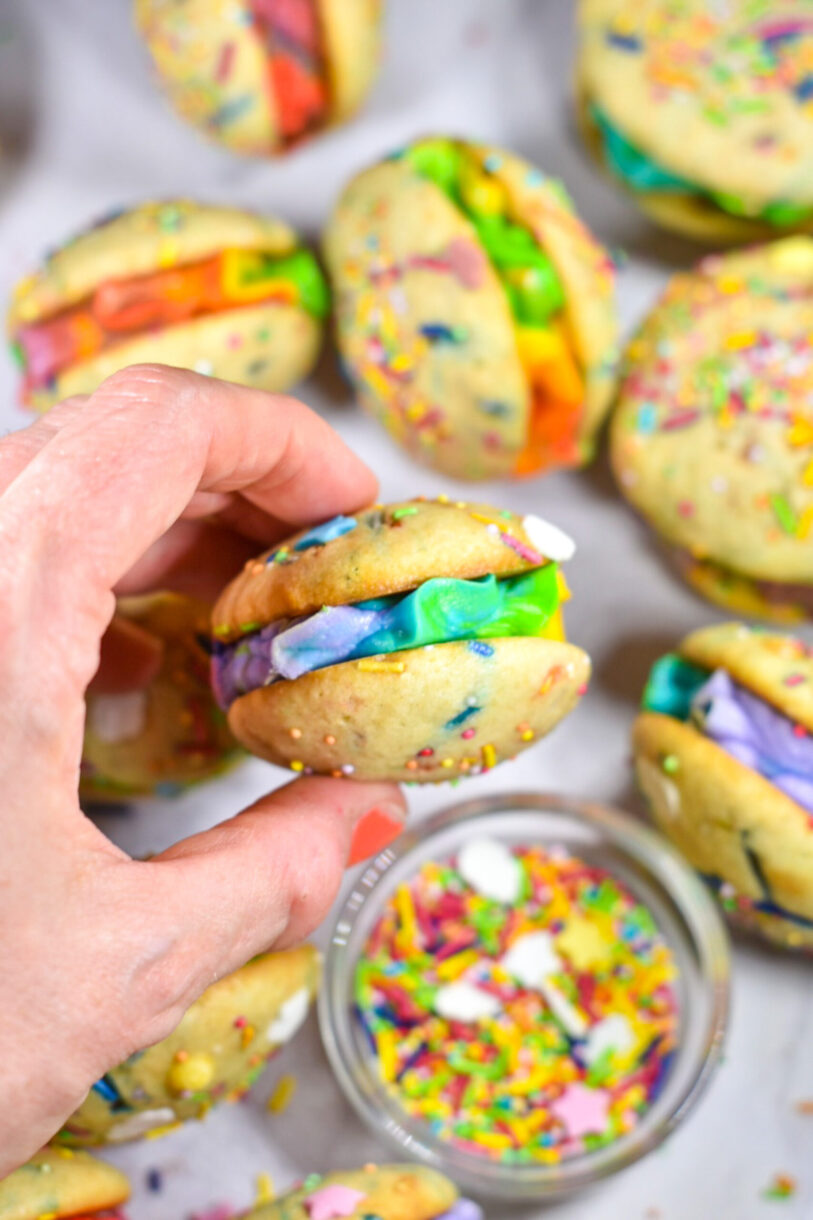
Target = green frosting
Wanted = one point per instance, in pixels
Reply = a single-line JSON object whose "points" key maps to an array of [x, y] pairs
{"points": [[302, 269], [444, 609], [672, 685], [640, 173], [528, 275]]}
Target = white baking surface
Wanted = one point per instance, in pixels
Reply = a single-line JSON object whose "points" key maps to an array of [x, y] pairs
{"points": [[85, 130]]}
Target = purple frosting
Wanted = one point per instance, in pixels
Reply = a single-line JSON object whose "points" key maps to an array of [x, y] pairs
{"points": [[310, 643], [463, 1209], [758, 735]]}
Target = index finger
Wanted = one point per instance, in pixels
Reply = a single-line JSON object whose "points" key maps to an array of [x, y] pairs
{"points": [[121, 470]]}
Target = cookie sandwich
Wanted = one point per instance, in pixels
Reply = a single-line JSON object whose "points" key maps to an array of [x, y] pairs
{"points": [[261, 76], [216, 1053], [703, 111], [475, 311], [61, 1183], [712, 436], [387, 1192], [419, 641], [214, 289], [160, 738], [724, 754]]}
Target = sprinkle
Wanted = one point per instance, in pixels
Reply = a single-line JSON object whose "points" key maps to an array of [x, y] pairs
{"points": [[334, 1202], [784, 514], [330, 740], [489, 756], [327, 532], [398, 513], [525, 552], [491, 870], [296, 764], [295, 733], [624, 42], [436, 332], [583, 1111], [554, 543], [264, 1190], [782, 1186], [369, 666], [155, 1181], [464, 1002], [670, 764]]}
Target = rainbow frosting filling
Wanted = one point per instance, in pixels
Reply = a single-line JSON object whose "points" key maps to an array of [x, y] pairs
{"points": [[745, 726], [120, 309], [290, 33], [438, 611], [641, 174], [535, 293], [750, 730]]}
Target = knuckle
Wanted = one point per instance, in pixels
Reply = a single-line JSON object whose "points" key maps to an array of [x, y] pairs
{"points": [[157, 382]]}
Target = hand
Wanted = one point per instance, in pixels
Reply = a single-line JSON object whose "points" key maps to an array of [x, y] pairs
{"points": [[160, 479]]}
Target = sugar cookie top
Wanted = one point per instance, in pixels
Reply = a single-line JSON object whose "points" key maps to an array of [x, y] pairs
{"points": [[720, 93], [712, 439], [775, 666], [60, 1182], [377, 552]]}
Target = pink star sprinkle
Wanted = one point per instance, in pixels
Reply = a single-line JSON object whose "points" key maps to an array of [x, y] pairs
{"points": [[333, 1202], [583, 1111]]}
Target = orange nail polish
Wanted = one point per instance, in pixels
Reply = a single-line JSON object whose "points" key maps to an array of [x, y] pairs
{"points": [[376, 830]]}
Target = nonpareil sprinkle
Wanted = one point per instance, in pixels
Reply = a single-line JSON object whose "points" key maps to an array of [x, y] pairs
{"points": [[525, 1031]]}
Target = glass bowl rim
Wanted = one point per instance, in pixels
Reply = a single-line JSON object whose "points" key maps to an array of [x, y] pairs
{"points": [[703, 928]]}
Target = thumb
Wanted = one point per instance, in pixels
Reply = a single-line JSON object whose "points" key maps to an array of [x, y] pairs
{"points": [[265, 878]]}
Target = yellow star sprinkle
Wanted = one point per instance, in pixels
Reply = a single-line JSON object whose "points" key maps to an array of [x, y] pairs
{"points": [[583, 944]]}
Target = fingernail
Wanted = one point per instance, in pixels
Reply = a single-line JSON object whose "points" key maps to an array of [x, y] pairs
{"points": [[376, 830]]}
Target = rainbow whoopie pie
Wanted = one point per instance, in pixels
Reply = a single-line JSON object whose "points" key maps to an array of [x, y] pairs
{"points": [[703, 111], [418, 641], [724, 754], [214, 289], [475, 311], [261, 76], [158, 739], [376, 1192], [712, 435], [65, 1185], [216, 1053]]}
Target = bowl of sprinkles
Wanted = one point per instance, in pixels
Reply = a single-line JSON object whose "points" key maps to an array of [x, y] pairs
{"points": [[527, 991]]}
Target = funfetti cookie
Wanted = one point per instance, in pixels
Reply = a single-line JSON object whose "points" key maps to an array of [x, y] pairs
{"points": [[158, 739], [724, 754], [386, 1192], [216, 1053], [420, 641], [712, 437], [261, 76], [59, 1182], [214, 289], [475, 312], [704, 111]]}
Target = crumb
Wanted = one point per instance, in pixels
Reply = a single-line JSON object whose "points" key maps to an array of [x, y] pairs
{"points": [[782, 1186]]}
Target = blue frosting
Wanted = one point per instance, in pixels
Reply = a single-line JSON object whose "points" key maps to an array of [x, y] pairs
{"points": [[672, 686], [634, 166], [320, 535]]}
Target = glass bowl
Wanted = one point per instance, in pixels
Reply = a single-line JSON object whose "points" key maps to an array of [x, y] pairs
{"points": [[687, 918]]}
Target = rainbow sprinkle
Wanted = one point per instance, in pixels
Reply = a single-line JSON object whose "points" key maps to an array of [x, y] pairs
{"points": [[519, 1002]]}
